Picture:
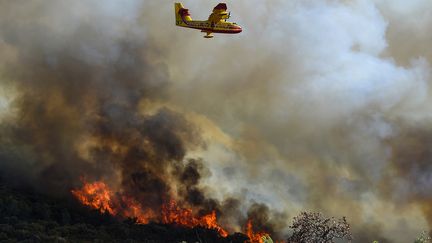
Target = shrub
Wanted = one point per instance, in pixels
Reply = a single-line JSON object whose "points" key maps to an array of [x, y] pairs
{"points": [[314, 227]]}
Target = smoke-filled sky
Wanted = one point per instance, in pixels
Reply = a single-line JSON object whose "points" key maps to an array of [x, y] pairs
{"points": [[317, 105]]}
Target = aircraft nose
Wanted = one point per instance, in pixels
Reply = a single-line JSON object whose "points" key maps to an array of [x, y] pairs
{"points": [[239, 29]]}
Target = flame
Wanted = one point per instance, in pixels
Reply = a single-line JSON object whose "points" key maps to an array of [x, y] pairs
{"points": [[99, 196], [210, 221], [96, 195], [134, 210], [255, 237], [173, 214]]}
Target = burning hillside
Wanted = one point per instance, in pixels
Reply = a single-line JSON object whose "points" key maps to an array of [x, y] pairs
{"points": [[97, 195], [30, 216]]}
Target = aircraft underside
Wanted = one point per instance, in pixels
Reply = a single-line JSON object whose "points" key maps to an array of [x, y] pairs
{"points": [[207, 28]]}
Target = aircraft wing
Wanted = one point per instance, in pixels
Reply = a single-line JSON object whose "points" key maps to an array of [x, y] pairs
{"points": [[219, 13]]}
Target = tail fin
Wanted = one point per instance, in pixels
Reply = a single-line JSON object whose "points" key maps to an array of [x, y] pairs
{"points": [[182, 14]]}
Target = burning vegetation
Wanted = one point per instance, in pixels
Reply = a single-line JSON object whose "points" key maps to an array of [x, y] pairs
{"points": [[99, 196], [307, 227], [255, 237]]}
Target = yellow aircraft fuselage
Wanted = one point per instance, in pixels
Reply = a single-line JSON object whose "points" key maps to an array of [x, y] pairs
{"points": [[215, 24]]}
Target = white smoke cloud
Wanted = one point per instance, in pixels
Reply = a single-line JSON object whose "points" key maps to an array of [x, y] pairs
{"points": [[314, 81]]}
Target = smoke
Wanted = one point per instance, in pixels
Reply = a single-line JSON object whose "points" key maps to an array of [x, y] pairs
{"points": [[69, 83], [316, 105], [88, 106], [409, 179], [310, 93]]}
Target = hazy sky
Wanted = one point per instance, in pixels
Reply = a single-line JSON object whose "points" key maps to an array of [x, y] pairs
{"points": [[317, 105]]}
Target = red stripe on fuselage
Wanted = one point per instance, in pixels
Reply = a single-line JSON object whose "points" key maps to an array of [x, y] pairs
{"points": [[231, 31]]}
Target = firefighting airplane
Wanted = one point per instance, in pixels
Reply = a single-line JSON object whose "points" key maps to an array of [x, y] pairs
{"points": [[216, 22]]}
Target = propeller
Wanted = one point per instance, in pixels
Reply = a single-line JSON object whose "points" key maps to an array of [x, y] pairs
{"points": [[229, 15]]}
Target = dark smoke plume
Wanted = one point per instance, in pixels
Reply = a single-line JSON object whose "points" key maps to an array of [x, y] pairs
{"points": [[410, 177], [69, 104]]}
